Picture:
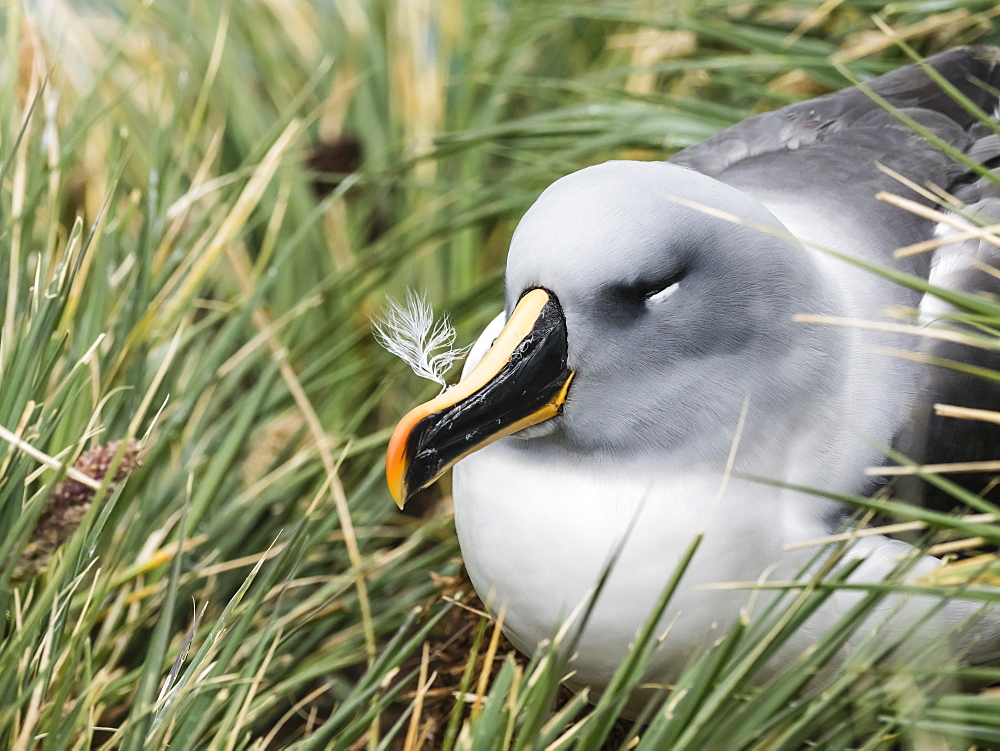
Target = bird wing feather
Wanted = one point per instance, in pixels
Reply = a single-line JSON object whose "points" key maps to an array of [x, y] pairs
{"points": [[824, 154]]}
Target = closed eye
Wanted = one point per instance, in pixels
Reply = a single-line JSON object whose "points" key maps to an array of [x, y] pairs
{"points": [[649, 292], [663, 288], [657, 296]]}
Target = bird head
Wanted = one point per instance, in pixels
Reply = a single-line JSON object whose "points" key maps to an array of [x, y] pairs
{"points": [[643, 300]]}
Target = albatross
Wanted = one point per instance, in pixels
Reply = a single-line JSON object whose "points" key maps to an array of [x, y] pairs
{"points": [[648, 364]]}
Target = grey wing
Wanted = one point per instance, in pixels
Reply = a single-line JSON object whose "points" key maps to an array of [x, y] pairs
{"points": [[860, 128], [823, 155]]}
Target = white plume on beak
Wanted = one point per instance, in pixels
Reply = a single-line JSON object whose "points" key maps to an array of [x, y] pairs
{"points": [[410, 333]]}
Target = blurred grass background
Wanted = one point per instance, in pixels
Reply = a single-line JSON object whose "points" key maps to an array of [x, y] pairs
{"points": [[201, 207]]}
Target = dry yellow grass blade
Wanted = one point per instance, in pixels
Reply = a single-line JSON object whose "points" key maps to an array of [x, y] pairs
{"points": [[418, 73], [484, 676], [980, 570], [939, 242], [269, 333], [240, 213], [885, 529], [232, 741], [414, 740], [869, 43], [646, 48], [814, 19], [268, 741], [956, 546], [893, 328], [158, 558], [202, 186], [967, 413], [48, 461], [196, 123], [930, 195], [205, 572], [937, 469], [950, 220], [300, 24]]}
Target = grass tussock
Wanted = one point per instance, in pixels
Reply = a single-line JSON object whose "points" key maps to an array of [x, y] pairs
{"points": [[202, 206]]}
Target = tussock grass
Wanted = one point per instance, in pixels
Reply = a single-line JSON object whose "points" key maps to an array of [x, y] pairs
{"points": [[177, 273]]}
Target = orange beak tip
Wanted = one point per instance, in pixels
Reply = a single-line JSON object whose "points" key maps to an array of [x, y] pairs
{"points": [[397, 487], [396, 462], [399, 495]]}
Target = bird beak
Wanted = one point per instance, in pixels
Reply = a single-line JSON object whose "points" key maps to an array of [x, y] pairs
{"points": [[521, 381]]}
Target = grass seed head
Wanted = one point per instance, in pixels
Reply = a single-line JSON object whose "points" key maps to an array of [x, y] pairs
{"points": [[70, 501]]}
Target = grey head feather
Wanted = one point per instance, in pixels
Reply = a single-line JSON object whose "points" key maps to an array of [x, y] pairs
{"points": [[657, 378]]}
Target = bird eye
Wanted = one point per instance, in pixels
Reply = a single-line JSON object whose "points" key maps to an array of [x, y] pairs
{"points": [[660, 291], [656, 296], [646, 293]]}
